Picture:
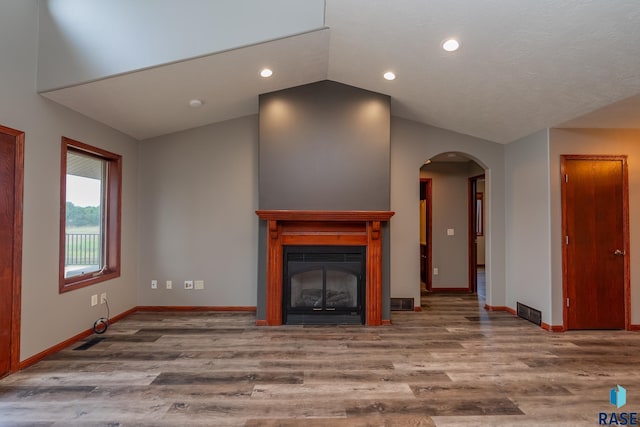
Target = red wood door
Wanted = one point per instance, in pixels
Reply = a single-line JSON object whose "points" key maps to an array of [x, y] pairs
{"points": [[11, 151], [595, 223]]}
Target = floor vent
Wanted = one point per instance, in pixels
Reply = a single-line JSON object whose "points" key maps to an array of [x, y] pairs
{"points": [[88, 344], [401, 304], [530, 314]]}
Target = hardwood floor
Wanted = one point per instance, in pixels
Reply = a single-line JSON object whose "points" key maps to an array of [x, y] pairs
{"points": [[452, 364]]}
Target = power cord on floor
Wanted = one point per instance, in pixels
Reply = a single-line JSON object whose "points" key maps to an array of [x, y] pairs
{"points": [[101, 325]]}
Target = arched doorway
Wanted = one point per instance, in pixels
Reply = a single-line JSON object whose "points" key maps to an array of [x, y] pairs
{"points": [[452, 225]]}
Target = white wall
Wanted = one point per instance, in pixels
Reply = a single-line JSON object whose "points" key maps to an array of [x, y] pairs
{"points": [[595, 141], [528, 223], [48, 317], [85, 40], [198, 196], [411, 144]]}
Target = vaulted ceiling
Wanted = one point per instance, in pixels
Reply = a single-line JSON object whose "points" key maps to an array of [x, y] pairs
{"points": [[523, 66]]}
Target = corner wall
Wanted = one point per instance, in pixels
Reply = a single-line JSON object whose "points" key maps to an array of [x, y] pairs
{"points": [[411, 144], [48, 317], [528, 224], [198, 196]]}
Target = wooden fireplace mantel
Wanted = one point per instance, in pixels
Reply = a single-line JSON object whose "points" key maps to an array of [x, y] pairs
{"points": [[305, 227]]}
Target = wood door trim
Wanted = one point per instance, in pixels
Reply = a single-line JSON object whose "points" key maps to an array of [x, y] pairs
{"points": [[14, 352], [472, 244], [427, 182], [625, 231]]}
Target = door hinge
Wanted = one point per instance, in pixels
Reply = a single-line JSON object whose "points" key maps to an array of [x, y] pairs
{"points": [[568, 302], [566, 239], [566, 178]]}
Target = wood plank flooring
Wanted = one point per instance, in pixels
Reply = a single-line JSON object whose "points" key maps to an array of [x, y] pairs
{"points": [[453, 364]]}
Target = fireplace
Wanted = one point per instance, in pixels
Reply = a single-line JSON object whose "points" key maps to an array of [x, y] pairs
{"points": [[324, 285], [339, 247]]}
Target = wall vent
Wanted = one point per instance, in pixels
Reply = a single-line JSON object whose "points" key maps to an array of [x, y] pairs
{"points": [[401, 304], [530, 314]]}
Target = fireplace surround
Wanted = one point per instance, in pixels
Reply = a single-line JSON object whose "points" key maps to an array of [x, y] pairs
{"points": [[287, 228]]}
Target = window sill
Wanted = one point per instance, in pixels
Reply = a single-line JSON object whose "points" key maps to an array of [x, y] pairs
{"points": [[78, 282]]}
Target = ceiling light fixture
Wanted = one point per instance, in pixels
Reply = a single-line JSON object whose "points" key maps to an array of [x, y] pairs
{"points": [[266, 73], [389, 75], [196, 103], [451, 45]]}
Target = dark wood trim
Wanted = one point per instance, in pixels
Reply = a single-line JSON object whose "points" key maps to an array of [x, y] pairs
{"points": [[54, 349], [16, 274], [285, 227], [417, 308], [113, 220], [450, 290], [625, 228], [373, 293], [291, 215], [66, 343], [181, 308], [428, 190], [472, 189], [552, 328], [500, 308], [634, 327]]}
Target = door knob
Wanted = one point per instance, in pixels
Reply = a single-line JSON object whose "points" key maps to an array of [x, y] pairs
{"points": [[618, 252]]}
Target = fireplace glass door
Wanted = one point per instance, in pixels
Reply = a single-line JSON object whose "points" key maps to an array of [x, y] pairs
{"points": [[323, 284]]}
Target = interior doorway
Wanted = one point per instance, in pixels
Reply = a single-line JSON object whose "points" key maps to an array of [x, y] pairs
{"points": [[451, 224], [595, 226], [476, 231], [11, 188]]}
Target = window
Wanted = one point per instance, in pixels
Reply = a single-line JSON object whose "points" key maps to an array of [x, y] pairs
{"points": [[89, 215]]}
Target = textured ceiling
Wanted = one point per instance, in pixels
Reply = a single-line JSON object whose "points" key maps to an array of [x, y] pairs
{"points": [[524, 65]]}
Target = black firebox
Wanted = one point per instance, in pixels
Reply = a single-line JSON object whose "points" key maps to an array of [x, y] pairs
{"points": [[324, 285]]}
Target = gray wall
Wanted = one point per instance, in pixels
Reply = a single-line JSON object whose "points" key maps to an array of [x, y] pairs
{"points": [[594, 141], [45, 123], [119, 36], [324, 146], [450, 210], [411, 144], [198, 195], [528, 223]]}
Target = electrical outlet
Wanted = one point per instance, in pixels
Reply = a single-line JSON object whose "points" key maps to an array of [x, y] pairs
{"points": [[169, 284], [435, 271], [188, 284], [94, 300], [103, 298], [154, 284], [198, 284]]}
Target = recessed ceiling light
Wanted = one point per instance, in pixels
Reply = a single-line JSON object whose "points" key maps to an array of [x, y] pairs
{"points": [[196, 103], [451, 45], [389, 75], [266, 73]]}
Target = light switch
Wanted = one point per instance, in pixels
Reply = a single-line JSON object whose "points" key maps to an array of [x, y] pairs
{"points": [[450, 232]]}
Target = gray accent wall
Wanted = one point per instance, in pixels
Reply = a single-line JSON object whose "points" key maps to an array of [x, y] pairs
{"points": [[324, 146]]}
